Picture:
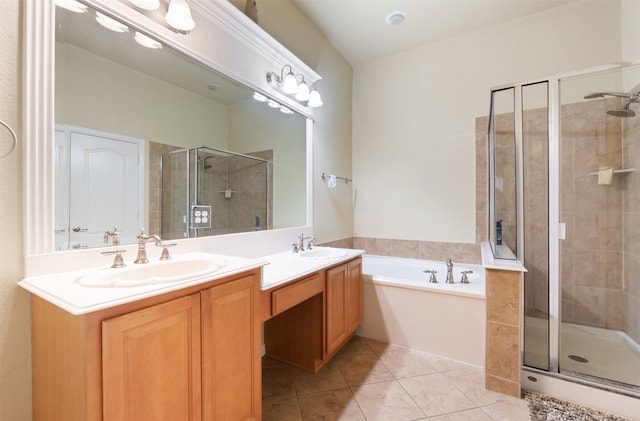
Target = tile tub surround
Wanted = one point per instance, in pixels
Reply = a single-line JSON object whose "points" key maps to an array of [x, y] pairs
{"points": [[502, 367], [370, 380]]}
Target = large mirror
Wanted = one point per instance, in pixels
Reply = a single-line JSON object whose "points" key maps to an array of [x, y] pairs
{"points": [[126, 112]]}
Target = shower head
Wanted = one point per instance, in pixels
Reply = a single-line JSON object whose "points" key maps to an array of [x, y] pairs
{"points": [[622, 112]]}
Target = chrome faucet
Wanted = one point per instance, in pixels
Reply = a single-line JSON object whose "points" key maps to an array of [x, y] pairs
{"points": [[299, 246], [142, 240], [115, 236], [449, 272]]}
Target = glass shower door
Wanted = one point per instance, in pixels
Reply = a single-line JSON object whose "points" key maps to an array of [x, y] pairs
{"points": [[600, 147], [535, 175]]}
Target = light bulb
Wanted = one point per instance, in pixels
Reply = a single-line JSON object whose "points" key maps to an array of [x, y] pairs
{"points": [[290, 84], [314, 99], [146, 4], [145, 41], [110, 23], [179, 16], [259, 97], [303, 92], [71, 5]]}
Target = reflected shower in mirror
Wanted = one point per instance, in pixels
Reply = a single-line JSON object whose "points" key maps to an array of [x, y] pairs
{"points": [[116, 89]]}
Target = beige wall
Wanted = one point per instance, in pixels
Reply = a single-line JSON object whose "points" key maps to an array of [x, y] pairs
{"points": [[332, 210], [414, 115], [15, 343]]}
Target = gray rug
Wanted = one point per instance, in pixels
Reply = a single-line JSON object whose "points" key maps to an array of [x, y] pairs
{"points": [[546, 408]]}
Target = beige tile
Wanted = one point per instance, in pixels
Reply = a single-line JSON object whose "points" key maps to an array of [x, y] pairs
{"points": [[360, 369], [503, 296], [326, 379], [281, 408], [386, 401], [334, 405], [277, 381], [503, 344], [407, 362], [436, 395], [513, 410], [500, 385], [471, 382], [470, 415]]}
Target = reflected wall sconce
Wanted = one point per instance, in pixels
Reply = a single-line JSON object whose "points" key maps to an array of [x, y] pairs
{"points": [[72, 5], [295, 85], [271, 103], [178, 14]]}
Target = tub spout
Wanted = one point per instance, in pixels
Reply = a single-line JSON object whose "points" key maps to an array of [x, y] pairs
{"points": [[449, 272]]}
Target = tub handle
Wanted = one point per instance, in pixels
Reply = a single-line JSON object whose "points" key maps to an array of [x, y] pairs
{"points": [[432, 278], [465, 279]]}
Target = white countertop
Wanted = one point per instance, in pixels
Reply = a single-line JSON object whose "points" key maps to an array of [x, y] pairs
{"points": [[63, 290], [287, 266]]}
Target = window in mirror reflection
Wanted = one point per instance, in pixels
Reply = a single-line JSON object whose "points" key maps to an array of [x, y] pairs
{"points": [[108, 83]]}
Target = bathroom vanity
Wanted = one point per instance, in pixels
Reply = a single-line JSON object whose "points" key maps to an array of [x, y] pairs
{"points": [[186, 350], [308, 319], [190, 354]]}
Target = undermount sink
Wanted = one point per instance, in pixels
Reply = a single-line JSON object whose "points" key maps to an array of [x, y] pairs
{"points": [[189, 266], [320, 253]]}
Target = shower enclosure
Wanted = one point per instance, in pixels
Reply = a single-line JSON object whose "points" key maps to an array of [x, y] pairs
{"points": [[208, 191], [565, 201]]}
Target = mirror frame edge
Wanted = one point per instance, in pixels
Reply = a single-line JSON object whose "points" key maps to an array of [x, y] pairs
{"points": [[38, 109]]}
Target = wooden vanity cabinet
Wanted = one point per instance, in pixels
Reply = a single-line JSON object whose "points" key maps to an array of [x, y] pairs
{"points": [[308, 320], [344, 304], [187, 355]]}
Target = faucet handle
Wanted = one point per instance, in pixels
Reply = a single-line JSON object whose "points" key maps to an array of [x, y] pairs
{"points": [[465, 279], [295, 247], [165, 251], [118, 262], [432, 278]]}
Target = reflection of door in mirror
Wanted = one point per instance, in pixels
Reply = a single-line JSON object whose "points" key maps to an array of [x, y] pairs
{"points": [[102, 176]]}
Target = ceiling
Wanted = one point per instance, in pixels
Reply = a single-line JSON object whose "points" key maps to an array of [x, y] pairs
{"points": [[357, 28]]}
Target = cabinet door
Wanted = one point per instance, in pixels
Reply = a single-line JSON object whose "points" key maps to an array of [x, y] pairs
{"points": [[336, 307], [354, 295], [151, 363], [231, 367]]}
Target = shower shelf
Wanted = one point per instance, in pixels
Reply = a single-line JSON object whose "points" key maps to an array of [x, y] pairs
{"points": [[625, 170]]}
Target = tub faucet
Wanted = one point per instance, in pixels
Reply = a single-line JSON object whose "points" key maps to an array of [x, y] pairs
{"points": [[142, 240], [449, 272]]}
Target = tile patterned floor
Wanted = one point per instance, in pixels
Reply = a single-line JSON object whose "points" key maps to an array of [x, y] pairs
{"points": [[374, 381]]}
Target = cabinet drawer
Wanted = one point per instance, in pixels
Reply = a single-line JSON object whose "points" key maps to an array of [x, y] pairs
{"points": [[292, 295]]}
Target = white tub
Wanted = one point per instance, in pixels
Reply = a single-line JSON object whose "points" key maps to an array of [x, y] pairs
{"points": [[401, 307]]}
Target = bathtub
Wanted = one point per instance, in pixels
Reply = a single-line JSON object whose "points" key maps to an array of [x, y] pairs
{"points": [[401, 307]]}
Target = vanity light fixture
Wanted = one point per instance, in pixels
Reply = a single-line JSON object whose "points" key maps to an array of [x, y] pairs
{"points": [[145, 41], [72, 5], [110, 23], [179, 16], [288, 83]]}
